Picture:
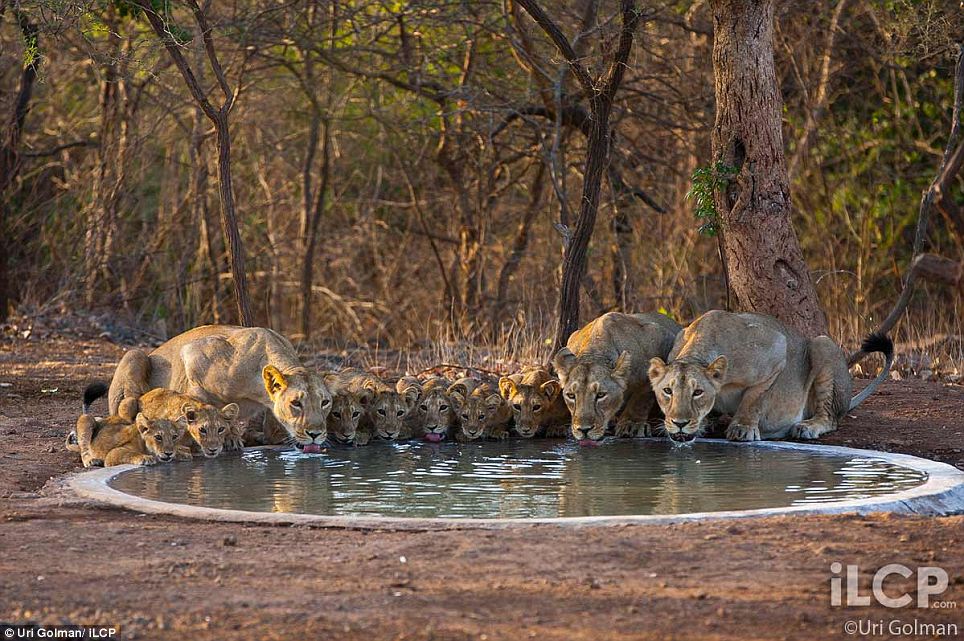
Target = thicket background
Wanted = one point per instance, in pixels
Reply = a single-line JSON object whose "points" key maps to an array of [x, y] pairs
{"points": [[440, 147]]}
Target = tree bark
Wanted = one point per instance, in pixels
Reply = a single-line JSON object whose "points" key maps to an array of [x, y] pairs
{"points": [[764, 262]]}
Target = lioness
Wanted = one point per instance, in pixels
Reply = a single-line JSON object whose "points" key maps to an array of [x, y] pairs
{"points": [[385, 411], [117, 440], [209, 429], [537, 406], [603, 370], [433, 417], [480, 412], [252, 366], [771, 379]]}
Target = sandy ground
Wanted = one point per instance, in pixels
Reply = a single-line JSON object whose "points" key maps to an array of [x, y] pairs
{"points": [[162, 577]]}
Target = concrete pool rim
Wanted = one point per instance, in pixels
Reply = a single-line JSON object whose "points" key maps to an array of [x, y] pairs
{"points": [[941, 494]]}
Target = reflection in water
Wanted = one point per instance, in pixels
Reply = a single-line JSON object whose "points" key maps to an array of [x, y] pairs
{"points": [[518, 478]]}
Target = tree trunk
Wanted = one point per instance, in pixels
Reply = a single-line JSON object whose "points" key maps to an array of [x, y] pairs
{"points": [[10, 151], [229, 222], [764, 262], [574, 258]]}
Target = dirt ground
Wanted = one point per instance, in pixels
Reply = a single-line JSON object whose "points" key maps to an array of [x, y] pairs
{"points": [[162, 577]]}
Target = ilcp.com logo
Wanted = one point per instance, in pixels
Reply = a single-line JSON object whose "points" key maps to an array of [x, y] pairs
{"points": [[931, 582]]}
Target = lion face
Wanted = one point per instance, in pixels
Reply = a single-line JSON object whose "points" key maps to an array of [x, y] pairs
{"points": [[476, 412], [160, 436], [686, 392], [209, 426], [592, 390], [346, 411], [300, 401], [387, 411], [435, 411], [531, 405]]}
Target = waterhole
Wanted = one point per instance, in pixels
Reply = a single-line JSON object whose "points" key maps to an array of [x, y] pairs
{"points": [[520, 479]]}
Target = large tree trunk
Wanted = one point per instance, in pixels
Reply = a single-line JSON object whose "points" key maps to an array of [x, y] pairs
{"points": [[764, 262]]}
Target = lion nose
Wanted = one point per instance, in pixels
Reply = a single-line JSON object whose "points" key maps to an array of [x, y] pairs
{"points": [[583, 431], [680, 424], [313, 435]]}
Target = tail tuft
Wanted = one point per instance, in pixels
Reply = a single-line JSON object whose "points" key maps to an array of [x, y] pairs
{"points": [[878, 343], [871, 344], [92, 393]]}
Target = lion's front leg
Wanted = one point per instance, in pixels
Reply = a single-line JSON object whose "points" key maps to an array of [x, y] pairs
{"points": [[745, 425], [634, 419]]}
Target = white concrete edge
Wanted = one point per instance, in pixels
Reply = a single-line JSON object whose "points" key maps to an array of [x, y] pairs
{"points": [[941, 494]]}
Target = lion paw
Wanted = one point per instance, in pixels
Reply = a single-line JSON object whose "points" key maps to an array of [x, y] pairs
{"points": [[147, 460], [234, 443], [808, 430], [737, 432]]}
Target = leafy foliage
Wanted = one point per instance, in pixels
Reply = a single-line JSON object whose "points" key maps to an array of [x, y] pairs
{"points": [[706, 180]]}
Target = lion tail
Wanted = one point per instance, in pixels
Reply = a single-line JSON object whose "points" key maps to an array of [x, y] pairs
{"points": [[875, 343], [92, 393]]}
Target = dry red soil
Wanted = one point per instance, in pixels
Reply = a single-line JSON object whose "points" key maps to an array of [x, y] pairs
{"points": [[64, 561]]}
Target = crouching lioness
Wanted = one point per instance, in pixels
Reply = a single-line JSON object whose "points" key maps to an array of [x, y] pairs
{"points": [[218, 364], [772, 380], [603, 370]]}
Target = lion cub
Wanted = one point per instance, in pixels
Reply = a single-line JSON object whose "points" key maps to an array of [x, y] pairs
{"points": [[347, 408], [117, 440], [209, 430], [434, 416], [385, 409], [537, 407], [480, 410]]}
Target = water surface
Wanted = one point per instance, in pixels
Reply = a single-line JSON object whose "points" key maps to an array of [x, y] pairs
{"points": [[519, 478]]}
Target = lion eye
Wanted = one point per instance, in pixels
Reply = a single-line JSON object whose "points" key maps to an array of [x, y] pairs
{"points": [[203, 430], [481, 417], [536, 408], [220, 430], [697, 393], [423, 407], [465, 417], [570, 396], [158, 438], [296, 404], [601, 395], [668, 391], [336, 414], [325, 402], [401, 412], [381, 412], [355, 414], [517, 407], [443, 407]]}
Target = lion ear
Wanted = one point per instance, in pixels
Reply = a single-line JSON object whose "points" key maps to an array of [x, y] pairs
{"points": [[143, 425], [657, 367], [274, 380], [717, 369], [365, 396], [189, 412], [621, 366], [563, 361], [507, 387], [230, 411], [493, 402], [551, 389]]}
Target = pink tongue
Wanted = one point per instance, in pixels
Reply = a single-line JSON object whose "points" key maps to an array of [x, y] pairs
{"points": [[432, 437], [588, 443], [311, 448]]}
